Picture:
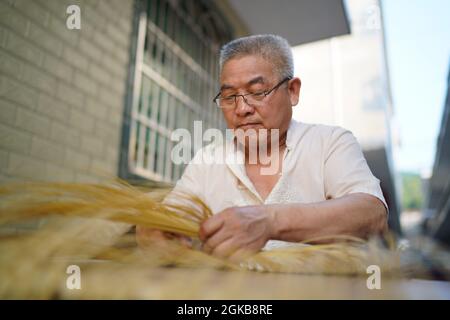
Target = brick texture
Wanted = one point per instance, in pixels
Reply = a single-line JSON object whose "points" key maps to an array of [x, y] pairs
{"points": [[62, 92]]}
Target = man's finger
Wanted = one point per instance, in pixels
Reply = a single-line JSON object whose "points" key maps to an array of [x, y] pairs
{"points": [[213, 241], [225, 249], [147, 237], [209, 227], [184, 240]]}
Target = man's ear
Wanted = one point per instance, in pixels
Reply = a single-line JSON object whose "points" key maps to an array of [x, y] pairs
{"points": [[294, 90]]}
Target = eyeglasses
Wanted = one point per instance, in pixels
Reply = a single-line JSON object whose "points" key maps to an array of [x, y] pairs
{"points": [[252, 99]]}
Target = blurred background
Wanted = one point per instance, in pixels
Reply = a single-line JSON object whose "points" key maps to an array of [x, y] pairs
{"points": [[90, 104]]}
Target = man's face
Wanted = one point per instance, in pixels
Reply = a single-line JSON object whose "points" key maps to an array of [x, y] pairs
{"points": [[252, 74]]}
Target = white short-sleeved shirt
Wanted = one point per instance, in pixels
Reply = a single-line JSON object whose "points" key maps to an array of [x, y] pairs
{"points": [[320, 162]]}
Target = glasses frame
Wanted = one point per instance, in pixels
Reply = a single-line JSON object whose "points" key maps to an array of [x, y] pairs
{"points": [[266, 93]]}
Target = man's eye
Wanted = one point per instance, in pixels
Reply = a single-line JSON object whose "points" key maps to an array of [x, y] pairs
{"points": [[228, 100], [258, 94]]}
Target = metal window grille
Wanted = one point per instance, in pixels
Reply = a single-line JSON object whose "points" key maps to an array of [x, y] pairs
{"points": [[175, 79]]}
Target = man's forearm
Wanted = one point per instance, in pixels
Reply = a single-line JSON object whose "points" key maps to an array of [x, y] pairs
{"points": [[358, 214]]}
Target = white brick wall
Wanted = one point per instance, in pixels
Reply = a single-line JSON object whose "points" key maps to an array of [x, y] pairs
{"points": [[62, 92]]}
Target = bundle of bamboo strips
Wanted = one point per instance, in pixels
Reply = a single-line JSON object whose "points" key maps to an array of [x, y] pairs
{"points": [[86, 223]]}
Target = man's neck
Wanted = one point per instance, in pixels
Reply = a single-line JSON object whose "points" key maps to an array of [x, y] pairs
{"points": [[272, 152]]}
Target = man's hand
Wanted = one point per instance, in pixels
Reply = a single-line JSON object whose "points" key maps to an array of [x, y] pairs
{"points": [[147, 237], [237, 232]]}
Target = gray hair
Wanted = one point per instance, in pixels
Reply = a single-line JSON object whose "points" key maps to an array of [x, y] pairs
{"points": [[271, 47]]}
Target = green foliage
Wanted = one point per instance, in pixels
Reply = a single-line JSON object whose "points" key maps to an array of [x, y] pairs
{"points": [[412, 196]]}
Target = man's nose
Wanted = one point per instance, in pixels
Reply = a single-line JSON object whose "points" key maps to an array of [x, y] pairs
{"points": [[242, 108]]}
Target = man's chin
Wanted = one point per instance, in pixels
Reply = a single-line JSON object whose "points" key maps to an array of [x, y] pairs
{"points": [[254, 126], [252, 137]]}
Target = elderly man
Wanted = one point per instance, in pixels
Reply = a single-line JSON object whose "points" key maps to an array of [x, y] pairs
{"points": [[322, 185]]}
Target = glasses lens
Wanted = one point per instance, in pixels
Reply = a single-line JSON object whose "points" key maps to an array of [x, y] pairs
{"points": [[225, 102], [228, 101], [255, 98]]}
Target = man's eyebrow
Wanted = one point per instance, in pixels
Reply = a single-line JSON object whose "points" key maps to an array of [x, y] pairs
{"points": [[258, 79], [225, 87]]}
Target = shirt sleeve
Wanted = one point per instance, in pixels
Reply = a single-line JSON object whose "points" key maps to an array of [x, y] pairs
{"points": [[346, 170]]}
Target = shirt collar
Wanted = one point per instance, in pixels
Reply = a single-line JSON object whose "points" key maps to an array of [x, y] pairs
{"points": [[235, 159], [290, 136]]}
